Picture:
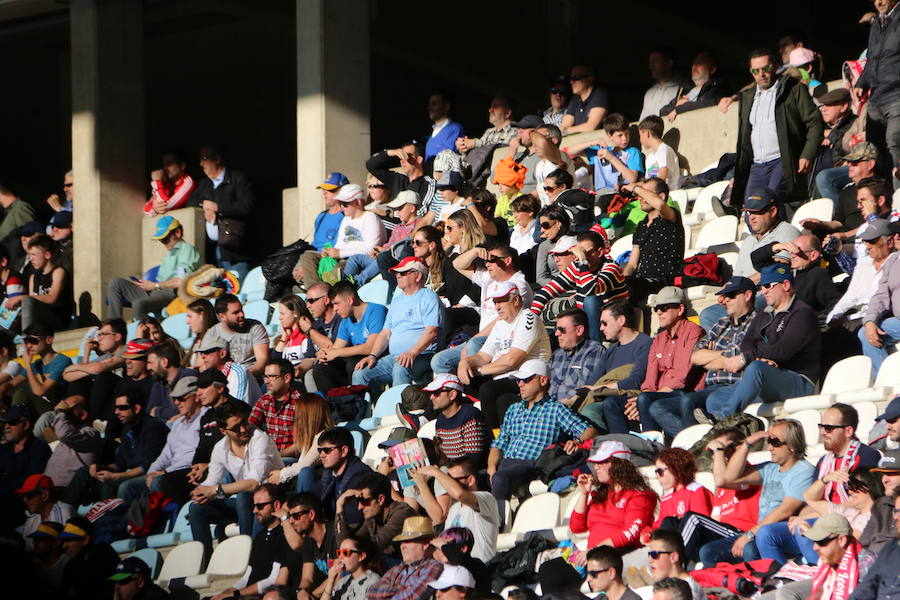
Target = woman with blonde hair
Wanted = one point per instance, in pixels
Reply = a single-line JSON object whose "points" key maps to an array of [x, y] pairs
{"points": [[312, 416]]}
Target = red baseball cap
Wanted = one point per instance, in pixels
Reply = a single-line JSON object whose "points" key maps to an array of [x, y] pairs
{"points": [[411, 263], [34, 482]]}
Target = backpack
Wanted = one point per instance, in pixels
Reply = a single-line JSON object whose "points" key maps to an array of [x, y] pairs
{"points": [[278, 269], [348, 402], [580, 206], [516, 565], [700, 269], [149, 513], [748, 424], [553, 462], [744, 578]]}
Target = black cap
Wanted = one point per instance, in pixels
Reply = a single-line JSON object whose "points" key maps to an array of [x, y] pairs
{"points": [[894, 226], [62, 219], [759, 200], [29, 228], [128, 568], [211, 376], [528, 122], [737, 284], [18, 412], [38, 330]]}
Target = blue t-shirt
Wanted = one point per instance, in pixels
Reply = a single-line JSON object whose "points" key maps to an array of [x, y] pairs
{"points": [[408, 318], [326, 229], [356, 333], [778, 485], [52, 370], [606, 176]]}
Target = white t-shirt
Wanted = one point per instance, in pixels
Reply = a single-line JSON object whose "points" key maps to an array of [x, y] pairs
{"points": [[523, 241], [664, 156], [526, 333], [488, 286], [359, 235], [483, 523], [543, 169], [260, 458], [60, 513]]}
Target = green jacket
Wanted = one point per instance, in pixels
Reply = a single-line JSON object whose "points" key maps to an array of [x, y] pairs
{"points": [[799, 126], [18, 213]]}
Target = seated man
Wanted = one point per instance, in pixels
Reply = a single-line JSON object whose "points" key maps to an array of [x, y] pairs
{"points": [[444, 131], [516, 337], [90, 563], [322, 331], [411, 330], [881, 327], [246, 339], [60, 231], [214, 354], [16, 211], [594, 278], [862, 164], [576, 362], [151, 296], [164, 365], [171, 186], [311, 537], [881, 579], [783, 482], [669, 365], [125, 477], [459, 426], [44, 374], [133, 579], [340, 467], [675, 412], [362, 267], [22, 454], [707, 90], [247, 454], [274, 413], [327, 223], [866, 276], [38, 495], [604, 574], [409, 580], [530, 426], [360, 324], [589, 104], [668, 559], [48, 294], [500, 114], [98, 379], [780, 352], [79, 441], [383, 518], [212, 392], [410, 157]]}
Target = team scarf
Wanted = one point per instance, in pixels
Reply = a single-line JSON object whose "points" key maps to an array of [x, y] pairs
{"points": [[829, 464], [837, 583]]}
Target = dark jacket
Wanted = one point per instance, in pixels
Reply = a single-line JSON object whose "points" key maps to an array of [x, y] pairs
{"points": [[882, 582], [85, 576], [380, 166], [799, 126], [790, 338], [836, 137], [329, 487], [15, 467], [882, 71], [710, 94], [236, 201], [813, 285], [880, 529], [141, 443]]}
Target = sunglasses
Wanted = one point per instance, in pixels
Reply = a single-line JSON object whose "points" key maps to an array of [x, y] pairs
{"points": [[271, 376], [262, 505], [376, 186], [769, 286], [660, 471], [313, 300], [665, 307], [295, 516], [501, 300], [522, 381], [440, 391], [558, 91], [184, 398], [561, 329], [598, 572], [775, 442], [418, 243], [364, 501], [830, 428], [122, 407], [577, 77], [497, 260], [545, 225], [67, 185], [345, 552], [31, 339], [245, 424], [326, 449], [765, 69], [655, 554], [550, 188], [826, 541]]}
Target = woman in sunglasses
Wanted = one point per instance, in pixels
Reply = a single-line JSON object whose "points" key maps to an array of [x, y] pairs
{"points": [[377, 197], [427, 245], [312, 416], [675, 471], [461, 234], [554, 222], [353, 571]]}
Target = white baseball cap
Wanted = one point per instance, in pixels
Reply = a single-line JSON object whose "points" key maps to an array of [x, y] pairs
{"points": [[453, 575], [442, 381], [503, 289], [608, 450], [530, 368], [404, 197], [564, 244], [348, 193]]}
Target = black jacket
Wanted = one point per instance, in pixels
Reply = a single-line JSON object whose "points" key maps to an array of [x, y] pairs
{"points": [[710, 94], [791, 339], [380, 166], [799, 126], [813, 285], [882, 71], [236, 201]]}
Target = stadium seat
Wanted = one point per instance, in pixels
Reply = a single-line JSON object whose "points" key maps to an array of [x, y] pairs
{"points": [[131, 330], [232, 530], [680, 198], [718, 232], [428, 430], [759, 457], [375, 291], [384, 413], [257, 309], [822, 209], [810, 420], [229, 559], [359, 444], [124, 546], [181, 531], [373, 454], [253, 287], [867, 411], [885, 387], [184, 560], [690, 436], [707, 480], [853, 373], [623, 244], [535, 514], [703, 204], [177, 326], [152, 558]]}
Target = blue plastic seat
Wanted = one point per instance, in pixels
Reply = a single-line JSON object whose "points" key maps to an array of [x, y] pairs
{"points": [[177, 326], [179, 532], [375, 291], [253, 287], [152, 558], [384, 407], [258, 310]]}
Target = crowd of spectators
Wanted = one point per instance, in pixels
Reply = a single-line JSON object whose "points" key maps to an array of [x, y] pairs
{"points": [[535, 352]]}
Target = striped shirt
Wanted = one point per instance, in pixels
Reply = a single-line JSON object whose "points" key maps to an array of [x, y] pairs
{"points": [[174, 197], [526, 432], [463, 434], [726, 337], [608, 283]]}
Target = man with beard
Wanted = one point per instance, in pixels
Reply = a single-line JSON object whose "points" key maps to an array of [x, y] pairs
{"points": [[164, 364], [90, 563], [247, 340], [443, 131], [500, 114], [212, 392]]}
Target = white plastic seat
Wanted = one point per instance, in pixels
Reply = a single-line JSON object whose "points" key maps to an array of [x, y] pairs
{"points": [[229, 559], [885, 387], [680, 198], [822, 209], [428, 430], [690, 436], [535, 514], [729, 257], [719, 231], [867, 412], [759, 457], [623, 244], [703, 204], [852, 373], [810, 420], [181, 531], [253, 287], [707, 480], [373, 454], [184, 560], [258, 310]]}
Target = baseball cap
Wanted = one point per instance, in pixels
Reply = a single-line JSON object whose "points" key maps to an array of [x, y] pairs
{"points": [[164, 226], [211, 376], [128, 568], [608, 450], [453, 576], [564, 244], [350, 192], [889, 463], [398, 435], [874, 230], [737, 284], [862, 151], [404, 197], [835, 97], [759, 200], [800, 57], [38, 481], [669, 295], [333, 181], [775, 274], [72, 532], [138, 348], [410, 263], [47, 529], [828, 525], [450, 179], [442, 381], [184, 386], [38, 330], [891, 412], [16, 413], [447, 160], [29, 228], [61, 219], [528, 122], [529, 368], [503, 289], [211, 342]]}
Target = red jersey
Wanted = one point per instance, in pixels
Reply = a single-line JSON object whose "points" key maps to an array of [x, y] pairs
{"points": [[174, 197], [691, 498], [738, 508], [620, 518]]}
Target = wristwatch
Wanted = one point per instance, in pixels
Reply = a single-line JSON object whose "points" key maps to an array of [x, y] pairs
{"points": [[220, 492], [750, 535]]}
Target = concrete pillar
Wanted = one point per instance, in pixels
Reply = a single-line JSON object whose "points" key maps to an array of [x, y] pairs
{"points": [[107, 144], [333, 132]]}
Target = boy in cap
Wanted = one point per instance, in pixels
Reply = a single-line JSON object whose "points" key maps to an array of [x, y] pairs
{"points": [[151, 296], [48, 554], [418, 569]]}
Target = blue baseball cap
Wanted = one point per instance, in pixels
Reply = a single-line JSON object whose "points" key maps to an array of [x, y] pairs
{"points": [[737, 284], [61, 219], [29, 228], [450, 179], [333, 181], [164, 226], [759, 200], [775, 274]]}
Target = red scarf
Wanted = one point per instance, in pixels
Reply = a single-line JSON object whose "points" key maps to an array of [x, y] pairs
{"points": [[837, 583]]}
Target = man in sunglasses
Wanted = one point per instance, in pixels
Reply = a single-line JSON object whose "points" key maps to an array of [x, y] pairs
{"points": [[22, 454], [460, 426], [39, 498], [779, 134], [589, 104], [340, 467], [383, 518], [881, 580], [668, 559], [780, 352], [410, 157], [312, 539], [604, 574], [272, 561], [44, 374]]}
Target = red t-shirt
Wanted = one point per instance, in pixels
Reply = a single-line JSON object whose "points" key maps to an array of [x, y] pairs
{"points": [[738, 508], [691, 498], [620, 518]]}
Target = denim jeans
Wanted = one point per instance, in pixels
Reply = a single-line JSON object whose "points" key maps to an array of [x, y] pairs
{"points": [[831, 181], [760, 381], [776, 541], [720, 551], [238, 507], [240, 268], [306, 479], [675, 411], [387, 371], [614, 412], [445, 361], [891, 327], [591, 307], [362, 267]]}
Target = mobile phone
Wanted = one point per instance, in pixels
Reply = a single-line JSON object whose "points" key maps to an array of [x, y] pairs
{"points": [[133, 278]]}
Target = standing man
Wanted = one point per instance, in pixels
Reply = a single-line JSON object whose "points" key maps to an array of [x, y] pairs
{"points": [[779, 135], [151, 296], [444, 132], [227, 200], [667, 87], [247, 339]]}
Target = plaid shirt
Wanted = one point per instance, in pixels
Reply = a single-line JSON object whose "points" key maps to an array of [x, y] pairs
{"points": [[726, 337], [407, 581], [569, 370], [279, 424], [526, 432], [493, 135]]}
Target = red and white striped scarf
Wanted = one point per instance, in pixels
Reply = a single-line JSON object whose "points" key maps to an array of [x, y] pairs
{"points": [[837, 583], [829, 464]]}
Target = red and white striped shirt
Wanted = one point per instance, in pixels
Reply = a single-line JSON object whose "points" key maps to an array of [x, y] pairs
{"points": [[608, 283], [174, 197]]}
